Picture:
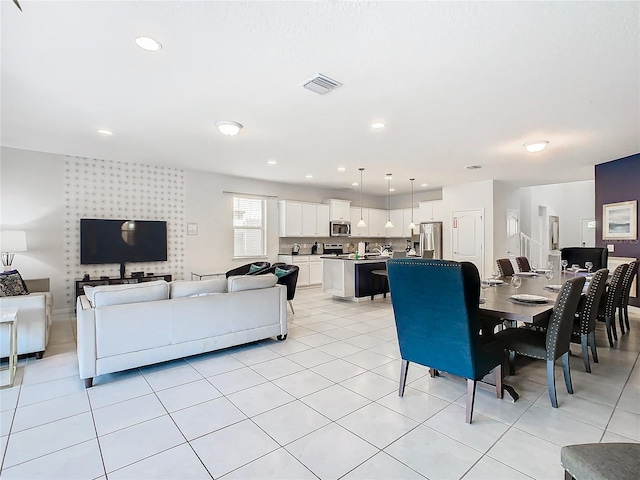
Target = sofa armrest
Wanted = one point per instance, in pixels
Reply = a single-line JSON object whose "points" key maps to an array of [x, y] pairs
{"points": [[86, 319], [34, 322]]}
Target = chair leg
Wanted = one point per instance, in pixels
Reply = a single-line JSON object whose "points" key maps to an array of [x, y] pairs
{"points": [[585, 352], [621, 320], [404, 369], [567, 372], [608, 324], [498, 379], [433, 373], [291, 305], [625, 308], [471, 396], [551, 383], [592, 341], [613, 325]]}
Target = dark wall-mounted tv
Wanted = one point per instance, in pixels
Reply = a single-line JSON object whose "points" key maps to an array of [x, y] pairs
{"points": [[122, 241]]}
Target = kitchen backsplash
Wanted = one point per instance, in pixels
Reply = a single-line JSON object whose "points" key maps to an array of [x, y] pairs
{"points": [[350, 245]]}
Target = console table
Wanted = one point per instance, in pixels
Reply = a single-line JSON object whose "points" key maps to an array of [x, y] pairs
{"points": [[94, 282]]}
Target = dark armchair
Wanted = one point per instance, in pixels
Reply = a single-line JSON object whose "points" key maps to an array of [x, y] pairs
{"points": [[246, 269], [288, 279], [580, 255], [435, 303]]}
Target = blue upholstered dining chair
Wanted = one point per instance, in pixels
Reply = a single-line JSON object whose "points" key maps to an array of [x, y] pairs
{"points": [[435, 303]]}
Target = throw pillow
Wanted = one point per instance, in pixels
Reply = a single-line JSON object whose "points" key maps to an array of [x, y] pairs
{"points": [[280, 272], [254, 268], [11, 284]]}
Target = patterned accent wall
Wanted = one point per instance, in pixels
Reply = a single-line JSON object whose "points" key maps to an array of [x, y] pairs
{"points": [[118, 190]]}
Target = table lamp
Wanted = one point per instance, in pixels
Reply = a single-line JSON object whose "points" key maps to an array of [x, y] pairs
{"points": [[12, 241]]}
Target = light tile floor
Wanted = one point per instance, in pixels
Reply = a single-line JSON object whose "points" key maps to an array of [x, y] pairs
{"points": [[322, 404]]}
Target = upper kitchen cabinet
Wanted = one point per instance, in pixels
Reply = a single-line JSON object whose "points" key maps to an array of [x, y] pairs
{"points": [[355, 218], [398, 230], [430, 211], [339, 210], [298, 219], [377, 219]]}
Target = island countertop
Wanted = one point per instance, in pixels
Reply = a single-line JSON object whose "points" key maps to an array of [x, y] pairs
{"points": [[346, 258]]}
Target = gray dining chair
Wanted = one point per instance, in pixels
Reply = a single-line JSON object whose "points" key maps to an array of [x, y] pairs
{"points": [[551, 344], [610, 300]]}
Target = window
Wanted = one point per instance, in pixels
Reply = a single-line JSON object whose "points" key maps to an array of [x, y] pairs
{"points": [[249, 227]]}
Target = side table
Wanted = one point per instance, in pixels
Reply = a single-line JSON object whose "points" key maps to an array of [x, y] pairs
{"points": [[10, 319]]}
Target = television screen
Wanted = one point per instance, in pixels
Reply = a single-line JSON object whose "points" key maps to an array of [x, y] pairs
{"points": [[122, 241]]}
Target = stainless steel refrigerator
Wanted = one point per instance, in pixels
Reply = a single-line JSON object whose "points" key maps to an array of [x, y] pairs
{"points": [[428, 243]]}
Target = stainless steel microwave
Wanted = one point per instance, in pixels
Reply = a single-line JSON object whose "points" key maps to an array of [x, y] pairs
{"points": [[340, 229]]}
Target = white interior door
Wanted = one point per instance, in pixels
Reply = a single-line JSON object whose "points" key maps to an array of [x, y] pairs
{"points": [[588, 232], [468, 237], [513, 233]]}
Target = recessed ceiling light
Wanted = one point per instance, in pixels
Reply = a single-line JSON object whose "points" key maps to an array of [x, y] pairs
{"points": [[105, 132], [473, 167], [377, 125], [148, 43], [342, 169], [392, 189], [536, 146], [228, 127], [308, 176], [271, 162], [355, 184], [424, 184]]}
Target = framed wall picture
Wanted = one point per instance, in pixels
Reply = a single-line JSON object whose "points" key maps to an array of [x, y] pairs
{"points": [[554, 232], [619, 221]]}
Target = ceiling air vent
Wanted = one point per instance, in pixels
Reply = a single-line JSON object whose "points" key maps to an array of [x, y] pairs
{"points": [[320, 84], [473, 167]]}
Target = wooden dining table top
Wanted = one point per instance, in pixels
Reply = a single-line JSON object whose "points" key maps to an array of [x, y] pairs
{"points": [[498, 304]]}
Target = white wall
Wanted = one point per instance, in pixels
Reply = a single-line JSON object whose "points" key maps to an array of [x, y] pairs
{"points": [[31, 199], [571, 202], [469, 196], [505, 197]]}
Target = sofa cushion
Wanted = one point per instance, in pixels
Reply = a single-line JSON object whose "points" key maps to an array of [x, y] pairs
{"points": [[241, 283], [11, 284], [186, 288], [105, 295], [253, 268], [280, 272]]}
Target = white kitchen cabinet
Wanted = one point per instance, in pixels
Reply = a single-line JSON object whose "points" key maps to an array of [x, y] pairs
{"points": [[397, 218], [290, 218], [315, 270], [322, 220], [297, 219], [377, 219], [430, 211], [355, 218], [309, 220], [339, 210], [309, 268]]}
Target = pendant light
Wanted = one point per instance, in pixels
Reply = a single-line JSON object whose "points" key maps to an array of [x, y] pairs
{"points": [[412, 225], [361, 223], [388, 224]]}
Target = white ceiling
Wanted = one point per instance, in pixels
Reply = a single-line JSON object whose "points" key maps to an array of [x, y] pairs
{"points": [[457, 83]]}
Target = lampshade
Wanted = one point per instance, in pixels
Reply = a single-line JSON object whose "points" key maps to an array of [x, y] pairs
{"points": [[228, 127], [12, 241]]}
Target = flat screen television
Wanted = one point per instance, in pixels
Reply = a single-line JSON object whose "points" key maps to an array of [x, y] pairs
{"points": [[122, 241]]}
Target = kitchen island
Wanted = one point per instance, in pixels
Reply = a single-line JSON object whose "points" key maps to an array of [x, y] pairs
{"points": [[351, 278]]}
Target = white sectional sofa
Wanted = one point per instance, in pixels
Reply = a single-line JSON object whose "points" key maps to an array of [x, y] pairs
{"points": [[128, 326]]}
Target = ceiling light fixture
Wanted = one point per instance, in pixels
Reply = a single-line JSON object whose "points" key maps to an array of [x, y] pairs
{"points": [[412, 225], [355, 184], [105, 132], [388, 224], [392, 189], [377, 125], [272, 162], [361, 223], [308, 176], [424, 184], [342, 169], [537, 146], [148, 43], [228, 127]]}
